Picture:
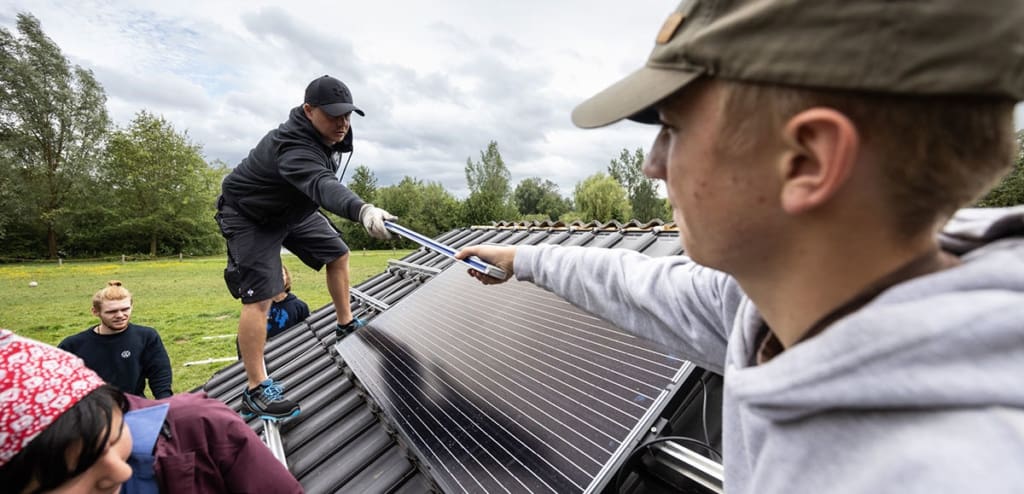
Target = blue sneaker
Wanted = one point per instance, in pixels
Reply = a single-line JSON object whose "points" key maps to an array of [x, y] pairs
{"points": [[342, 331], [267, 401]]}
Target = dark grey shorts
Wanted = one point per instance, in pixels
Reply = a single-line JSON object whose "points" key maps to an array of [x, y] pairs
{"points": [[253, 272]]}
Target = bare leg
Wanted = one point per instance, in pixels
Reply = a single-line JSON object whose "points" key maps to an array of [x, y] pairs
{"points": [[338, 286], [252, 337]]}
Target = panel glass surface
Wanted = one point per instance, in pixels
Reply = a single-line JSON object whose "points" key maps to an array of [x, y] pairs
{"points": [[509, 388]]}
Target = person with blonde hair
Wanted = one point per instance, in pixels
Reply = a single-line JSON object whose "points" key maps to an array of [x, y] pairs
{"points": [[125, 355]]}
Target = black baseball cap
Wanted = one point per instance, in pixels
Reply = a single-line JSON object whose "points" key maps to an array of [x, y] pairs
{"points": [[331, 95]]}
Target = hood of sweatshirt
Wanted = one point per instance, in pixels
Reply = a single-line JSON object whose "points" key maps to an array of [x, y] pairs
{"points": [[289, 174], [299, 129], [951, 339]]}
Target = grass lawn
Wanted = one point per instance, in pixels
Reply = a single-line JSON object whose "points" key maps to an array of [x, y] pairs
{"points": [[184, 300]]}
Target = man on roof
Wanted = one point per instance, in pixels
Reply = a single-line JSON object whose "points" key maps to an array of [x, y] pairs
{"points": [[272, 200]]}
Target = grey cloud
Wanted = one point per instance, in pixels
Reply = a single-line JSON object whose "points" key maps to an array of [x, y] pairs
{"points": [[305, 43], [456, 38], [507, 45], [239, 103], [153, 91], [393, 85]]}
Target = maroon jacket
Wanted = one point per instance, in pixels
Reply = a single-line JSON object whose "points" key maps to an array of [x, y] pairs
{"points": [[211, 449]]}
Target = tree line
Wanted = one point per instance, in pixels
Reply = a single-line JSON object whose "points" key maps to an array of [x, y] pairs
{"points": [[74, 184], [430, 209]]}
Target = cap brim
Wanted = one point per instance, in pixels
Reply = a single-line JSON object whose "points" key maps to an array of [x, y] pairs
{"points": [[634, 95], [335, 109]]}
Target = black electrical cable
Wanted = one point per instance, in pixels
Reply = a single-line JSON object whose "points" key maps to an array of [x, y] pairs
{"points": [[704, 412], [342, 175], [706, 444], [647, 444]]}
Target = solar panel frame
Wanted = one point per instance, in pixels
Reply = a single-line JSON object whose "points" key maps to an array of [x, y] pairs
{"points": [[442, 396]]}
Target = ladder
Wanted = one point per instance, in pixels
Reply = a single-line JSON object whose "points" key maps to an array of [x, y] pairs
{"points": [[272, 434]]}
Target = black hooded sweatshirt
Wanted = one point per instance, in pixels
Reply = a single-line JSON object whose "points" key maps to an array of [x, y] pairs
{"points": [[289, 175]]}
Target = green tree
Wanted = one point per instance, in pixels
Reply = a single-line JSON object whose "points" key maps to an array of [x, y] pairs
{"points": [[441, 210], [9, 204], [364, 183], [53, 121], [536, 196], [600, 197], [489, 190], [163, 190], [424, 207], [1010, 191], [642, 192], [570, 217]]}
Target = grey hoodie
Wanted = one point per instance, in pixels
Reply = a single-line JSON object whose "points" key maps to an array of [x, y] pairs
{"points": [[921, 390]]}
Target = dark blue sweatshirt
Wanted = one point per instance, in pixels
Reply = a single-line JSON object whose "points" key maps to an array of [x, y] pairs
{"points": [[126, 359], [285, 314]]}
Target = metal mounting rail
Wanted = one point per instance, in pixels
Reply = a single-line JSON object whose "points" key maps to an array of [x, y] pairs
{"points": [[685, 463], [427, 270], [373, 302], [272, 438], [272, 434]]}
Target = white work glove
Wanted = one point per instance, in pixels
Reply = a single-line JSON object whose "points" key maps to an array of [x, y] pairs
{"points": [[373, 218]]}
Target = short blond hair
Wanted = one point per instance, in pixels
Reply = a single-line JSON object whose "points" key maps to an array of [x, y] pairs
{"points": [[937, 153], [114, 290]]}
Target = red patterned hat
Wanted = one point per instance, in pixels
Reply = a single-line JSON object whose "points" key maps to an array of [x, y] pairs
{"points": [[37, 383]]}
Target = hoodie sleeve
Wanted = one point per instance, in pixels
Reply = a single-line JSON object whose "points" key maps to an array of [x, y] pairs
{"points": [[308, 171], [301, 310], [157, 367], [670, 300]]}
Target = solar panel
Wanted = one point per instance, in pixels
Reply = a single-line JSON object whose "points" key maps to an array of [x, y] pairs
{"points": [[509, 388]]}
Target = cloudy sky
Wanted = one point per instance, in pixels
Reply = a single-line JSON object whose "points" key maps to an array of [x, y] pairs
{"points": [[438, 80]]}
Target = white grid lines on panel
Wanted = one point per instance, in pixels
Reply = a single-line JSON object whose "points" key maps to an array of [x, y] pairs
{"points": [[504, 366], [408, 426], [528, 416], [375, 337], [554, 370], [594, 325]]}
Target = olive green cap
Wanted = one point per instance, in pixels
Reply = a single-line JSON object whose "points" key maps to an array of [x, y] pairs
{"points": [[914, 47]]}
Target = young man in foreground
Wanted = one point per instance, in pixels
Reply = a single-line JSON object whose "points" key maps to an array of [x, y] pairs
{"points": [[812, 152]]}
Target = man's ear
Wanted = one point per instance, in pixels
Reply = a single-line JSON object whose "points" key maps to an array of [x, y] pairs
{"points": [[822, 146], [308, 110]]}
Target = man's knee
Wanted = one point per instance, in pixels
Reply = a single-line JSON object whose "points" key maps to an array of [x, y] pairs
{"points": [[340, 263], [262, 306]]}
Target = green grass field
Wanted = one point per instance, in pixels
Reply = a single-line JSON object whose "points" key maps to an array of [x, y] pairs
{"points": [[184, 300]]}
